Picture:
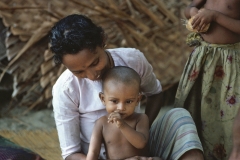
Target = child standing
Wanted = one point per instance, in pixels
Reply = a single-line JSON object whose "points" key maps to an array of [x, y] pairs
{"points": [[123, 131], [210, 84]]}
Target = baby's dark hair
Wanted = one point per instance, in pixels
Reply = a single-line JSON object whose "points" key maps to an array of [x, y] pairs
{"points": [[73, 34], [122, 74]]}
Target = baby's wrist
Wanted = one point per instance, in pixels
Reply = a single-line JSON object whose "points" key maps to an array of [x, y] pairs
{"points": [[121, 125]]}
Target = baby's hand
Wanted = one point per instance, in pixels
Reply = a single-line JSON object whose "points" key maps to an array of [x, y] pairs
{"points": [[115, 117]]}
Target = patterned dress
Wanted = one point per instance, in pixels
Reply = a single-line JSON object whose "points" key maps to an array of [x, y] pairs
{"points": [[210, 90]]}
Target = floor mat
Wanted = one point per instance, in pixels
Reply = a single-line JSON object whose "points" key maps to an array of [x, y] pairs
{"points": [[43, 142]]}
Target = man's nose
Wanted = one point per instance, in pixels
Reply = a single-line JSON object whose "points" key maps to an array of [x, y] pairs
{"points": [[92, 75]]}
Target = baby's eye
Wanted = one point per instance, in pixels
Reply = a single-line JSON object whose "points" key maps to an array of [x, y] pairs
{"points": [[129, 102], [114, 101]]}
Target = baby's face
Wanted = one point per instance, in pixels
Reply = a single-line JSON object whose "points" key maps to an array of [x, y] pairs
{"points": [[121, 97]]}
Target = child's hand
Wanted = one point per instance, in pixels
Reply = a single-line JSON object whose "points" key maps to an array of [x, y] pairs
{"points": [[116, 118], [203, 18], [193, 11]]}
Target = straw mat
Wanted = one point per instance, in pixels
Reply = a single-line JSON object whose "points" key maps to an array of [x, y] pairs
{"points": [[45, 143]]}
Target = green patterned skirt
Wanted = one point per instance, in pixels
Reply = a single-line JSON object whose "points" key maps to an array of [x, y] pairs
{"points": [[209, 89]]}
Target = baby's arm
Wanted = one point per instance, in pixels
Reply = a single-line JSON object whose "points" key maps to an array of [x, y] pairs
{"points": [[193, 8], [139, 137], [96, 141]]}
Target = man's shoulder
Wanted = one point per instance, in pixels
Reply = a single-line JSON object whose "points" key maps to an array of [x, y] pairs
{"points": [[126, 56], [65, 80], [124, 51], [64, 77]]}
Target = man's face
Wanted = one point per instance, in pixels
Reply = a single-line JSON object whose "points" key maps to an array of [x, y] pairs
{"points": [[87, 64]]}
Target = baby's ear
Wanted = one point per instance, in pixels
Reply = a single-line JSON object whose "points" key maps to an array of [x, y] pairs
{"points": [[101, 96], [139, 97]]}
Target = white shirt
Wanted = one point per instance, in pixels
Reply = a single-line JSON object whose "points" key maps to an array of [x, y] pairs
{"points": [[77, 106]]}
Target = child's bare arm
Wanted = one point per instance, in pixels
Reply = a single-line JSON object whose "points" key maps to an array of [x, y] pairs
{"points": [[236, 138], [96, 141], [193, 8], [139, 137], [206, 16]]}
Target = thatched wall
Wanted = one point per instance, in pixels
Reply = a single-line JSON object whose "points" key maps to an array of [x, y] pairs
{"points": [[152, 26]]}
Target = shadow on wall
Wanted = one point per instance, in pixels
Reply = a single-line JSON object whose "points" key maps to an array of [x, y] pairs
{"points": [[6, 85], [6, 89]]}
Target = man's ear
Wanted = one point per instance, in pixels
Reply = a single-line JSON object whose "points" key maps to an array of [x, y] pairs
{"points": [[101, 96], [104, 37]]}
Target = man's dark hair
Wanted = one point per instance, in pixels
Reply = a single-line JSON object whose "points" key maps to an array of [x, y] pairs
{"points": [[122, 74], [73, 34]]}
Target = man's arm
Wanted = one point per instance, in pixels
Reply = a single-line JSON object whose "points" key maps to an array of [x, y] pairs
{"points": [[153, 106], [96, 140], [66, 115]]}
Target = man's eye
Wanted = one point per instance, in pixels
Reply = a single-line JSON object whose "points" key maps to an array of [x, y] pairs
{"points": [[95, 62]]}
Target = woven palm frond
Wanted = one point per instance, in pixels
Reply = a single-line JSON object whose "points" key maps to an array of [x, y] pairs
{"points": [[152, 26]]}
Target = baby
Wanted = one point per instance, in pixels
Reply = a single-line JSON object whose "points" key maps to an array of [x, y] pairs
{"points": [[123, 131]]}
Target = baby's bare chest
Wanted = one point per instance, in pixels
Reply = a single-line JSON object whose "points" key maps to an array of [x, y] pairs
{"points": [[114, 138], [113, 135]]}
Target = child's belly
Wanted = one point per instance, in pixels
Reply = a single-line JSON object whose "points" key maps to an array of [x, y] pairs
{"points": [[218, 34]]}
